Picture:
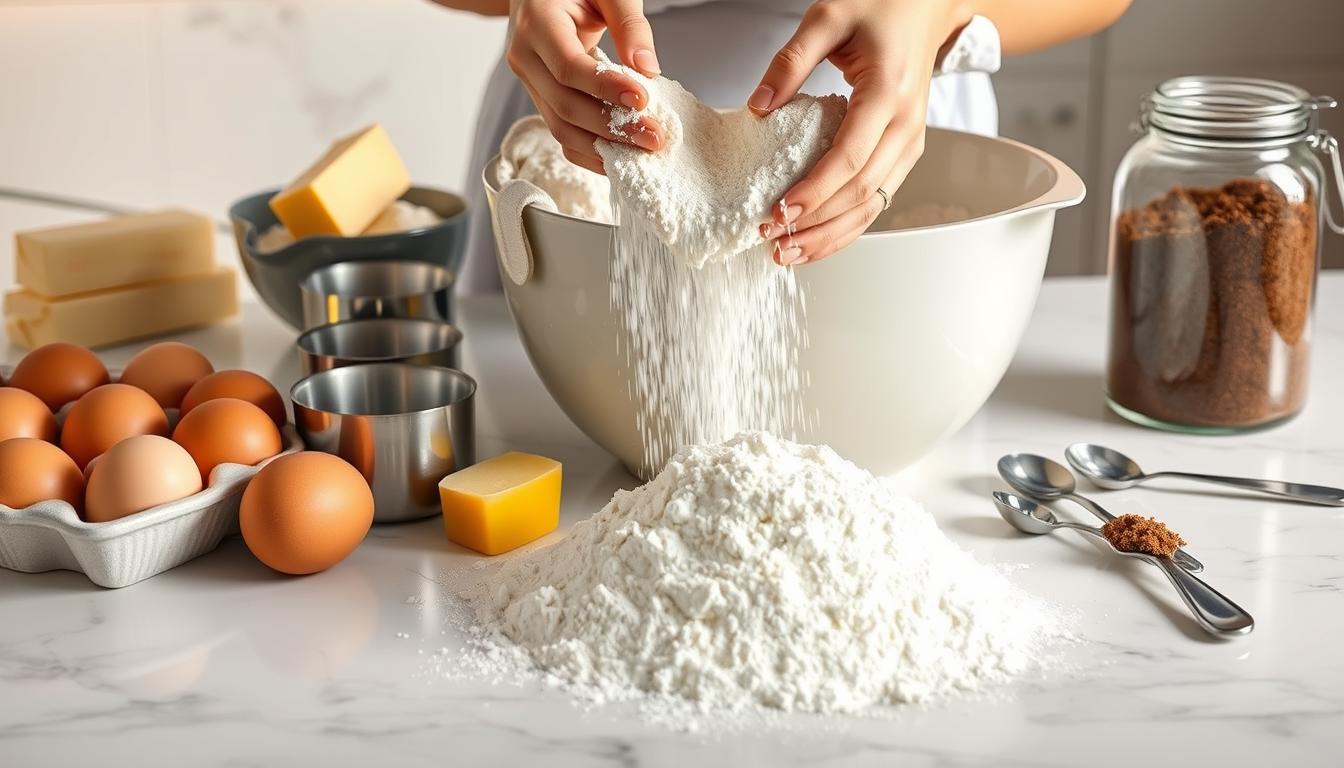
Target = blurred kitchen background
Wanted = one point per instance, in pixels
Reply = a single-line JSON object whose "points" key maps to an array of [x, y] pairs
{"points": [[198, 102]]}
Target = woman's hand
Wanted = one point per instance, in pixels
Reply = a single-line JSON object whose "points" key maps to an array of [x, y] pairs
{"points": [[886, 50], [549, 44]]}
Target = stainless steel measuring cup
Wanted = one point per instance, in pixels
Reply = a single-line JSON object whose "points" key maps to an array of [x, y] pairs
{"points": [[404, 427], [381, 340], [355, 290]]}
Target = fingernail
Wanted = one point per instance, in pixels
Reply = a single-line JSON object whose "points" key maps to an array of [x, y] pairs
{"points": [[645, 60], [630, 99], [771, 231], [645, 138], [790, 256], [761, 98], [792, 212]]}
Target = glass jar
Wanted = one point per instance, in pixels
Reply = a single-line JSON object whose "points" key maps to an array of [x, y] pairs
{"points": [[1214, 252]]}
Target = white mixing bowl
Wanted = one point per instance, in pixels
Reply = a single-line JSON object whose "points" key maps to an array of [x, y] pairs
{"points": [[909, 330]]}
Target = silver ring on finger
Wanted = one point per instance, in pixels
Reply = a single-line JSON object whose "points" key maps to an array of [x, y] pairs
{"points": [[886, 198]]}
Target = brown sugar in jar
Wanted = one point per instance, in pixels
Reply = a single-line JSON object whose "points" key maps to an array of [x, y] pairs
{"points": [[1216, 219], [1212, 292]]}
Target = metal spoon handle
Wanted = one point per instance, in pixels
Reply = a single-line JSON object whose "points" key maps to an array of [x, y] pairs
{"points": [[1212, 610], [1182, 558], [1312, 494]]}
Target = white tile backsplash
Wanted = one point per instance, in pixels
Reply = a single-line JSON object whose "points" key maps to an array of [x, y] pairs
{"points": [[199, 102]]}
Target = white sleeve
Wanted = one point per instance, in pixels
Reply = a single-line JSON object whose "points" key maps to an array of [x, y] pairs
{"points": [[976, 49]]}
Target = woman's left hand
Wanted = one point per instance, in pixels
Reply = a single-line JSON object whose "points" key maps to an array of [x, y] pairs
{"points": [[887, 50]]}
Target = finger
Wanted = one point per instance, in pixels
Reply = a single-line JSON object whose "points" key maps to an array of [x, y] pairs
{"points": [[591, 162], [816, 243], [555, 39], [579, 109], [869, 114], [820, 32], [631, 33], [574, 141], [895, 155]]}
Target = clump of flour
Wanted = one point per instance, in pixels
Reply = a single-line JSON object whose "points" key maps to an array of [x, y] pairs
{"points": [[760, 573], [711, 325], [719, 174]]}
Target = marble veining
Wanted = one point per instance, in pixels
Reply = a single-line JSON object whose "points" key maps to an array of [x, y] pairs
{"points": [[281, 29], [222, 663]]}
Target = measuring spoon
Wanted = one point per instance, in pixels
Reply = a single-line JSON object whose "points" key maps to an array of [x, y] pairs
{"points": [[1215, 613], [1041, 478], [1114, 470]]}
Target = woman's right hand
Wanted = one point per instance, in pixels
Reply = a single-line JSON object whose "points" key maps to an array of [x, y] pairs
{"points": [[549, 44]]}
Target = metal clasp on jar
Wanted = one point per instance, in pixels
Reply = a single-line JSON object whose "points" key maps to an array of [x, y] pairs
{"points": [[1328, 145]]}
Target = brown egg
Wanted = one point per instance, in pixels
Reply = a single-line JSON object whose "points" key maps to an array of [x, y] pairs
{"points": [[106, 416], [166, 371], [227, 431], [88, 468], [33, 470], [22, 414], [305, 512], [59, 373], [242, 385], [137, 474]]}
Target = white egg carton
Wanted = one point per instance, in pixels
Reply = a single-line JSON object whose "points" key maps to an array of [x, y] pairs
{"points": [[50, 535]]}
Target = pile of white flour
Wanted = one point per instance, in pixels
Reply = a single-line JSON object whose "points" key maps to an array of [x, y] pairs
{"points": [[760, 573]]}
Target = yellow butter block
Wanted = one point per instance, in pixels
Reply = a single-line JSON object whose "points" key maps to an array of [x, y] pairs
{"points": [[502, 503], [123, 250], [110, 317], [358, 178]]}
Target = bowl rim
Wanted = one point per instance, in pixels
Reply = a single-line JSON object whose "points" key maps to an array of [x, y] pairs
{"points": [[307, 289], [251, 230], [1066, 189], [472, 388], [305, 347]]}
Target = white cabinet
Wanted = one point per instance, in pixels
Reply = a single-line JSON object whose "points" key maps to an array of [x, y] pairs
{"points": [[1046, 100]]}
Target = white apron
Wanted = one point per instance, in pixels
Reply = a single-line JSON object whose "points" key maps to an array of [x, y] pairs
{"points": [[717, 49]]}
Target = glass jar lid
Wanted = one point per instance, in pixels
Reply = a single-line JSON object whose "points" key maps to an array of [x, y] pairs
{"points": [[1242, 109]]}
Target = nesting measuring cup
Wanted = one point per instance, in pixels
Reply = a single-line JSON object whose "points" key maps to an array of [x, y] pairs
{"points": [[356, 290], [383, 340], [404, 427]]}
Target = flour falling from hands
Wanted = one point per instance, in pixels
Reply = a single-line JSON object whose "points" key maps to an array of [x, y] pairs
{"points": [[759, 574], [714, 326]]}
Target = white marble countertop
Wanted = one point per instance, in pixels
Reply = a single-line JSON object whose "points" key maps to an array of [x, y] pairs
{"points": [[222, 662]]}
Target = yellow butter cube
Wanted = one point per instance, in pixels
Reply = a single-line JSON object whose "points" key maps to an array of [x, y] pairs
{"points": [[502, 503], [358, 178]]}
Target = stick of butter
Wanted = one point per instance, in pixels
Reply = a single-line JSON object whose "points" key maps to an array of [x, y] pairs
{"points": [[358, 178], [123, 250], [501, 503], [110, 317]]}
